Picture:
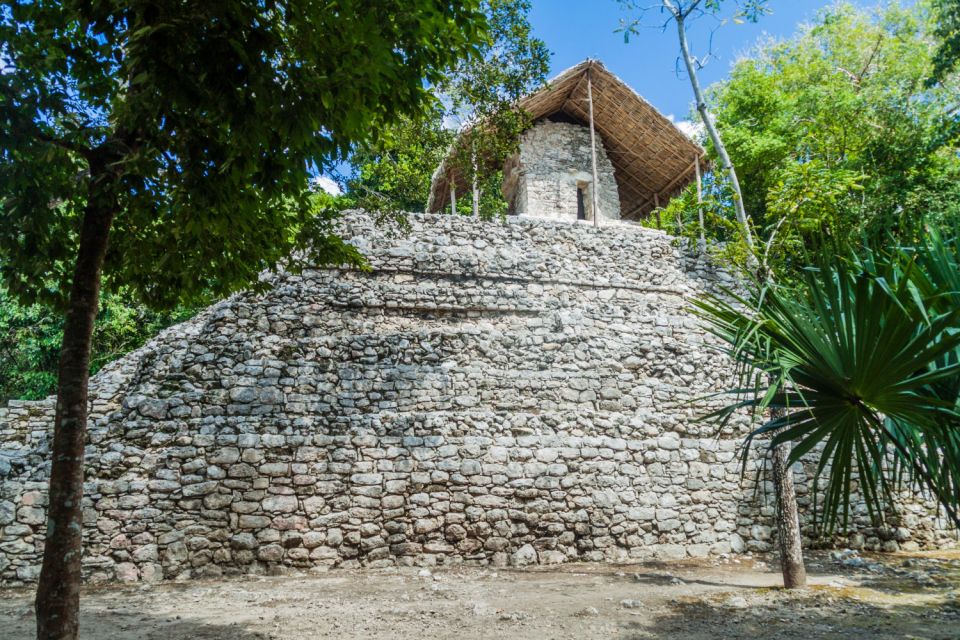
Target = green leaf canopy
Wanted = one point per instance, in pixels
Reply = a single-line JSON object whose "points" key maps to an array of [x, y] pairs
{"points": [[836, 134], [210, 117]]}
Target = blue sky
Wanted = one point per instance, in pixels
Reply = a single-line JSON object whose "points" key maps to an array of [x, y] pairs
{"points": [[578, 29]]}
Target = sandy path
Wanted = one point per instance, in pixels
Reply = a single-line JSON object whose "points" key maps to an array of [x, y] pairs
{"points": [[723, 599]]}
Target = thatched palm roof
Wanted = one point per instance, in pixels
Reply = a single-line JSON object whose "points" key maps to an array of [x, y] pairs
{"points": [[652, 158]]}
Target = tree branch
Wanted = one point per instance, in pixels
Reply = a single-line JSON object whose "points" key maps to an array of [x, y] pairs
{"points": [[679, 11], [668, 4], [79, 149], [28, 128], [708, 123], [766, 252]]}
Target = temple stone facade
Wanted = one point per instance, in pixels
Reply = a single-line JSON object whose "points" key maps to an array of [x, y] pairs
{"points": [[543, 179], [488, 393]]}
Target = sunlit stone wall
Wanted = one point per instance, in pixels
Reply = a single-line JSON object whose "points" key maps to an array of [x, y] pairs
{"points": [[489, 393], [554, 159]]}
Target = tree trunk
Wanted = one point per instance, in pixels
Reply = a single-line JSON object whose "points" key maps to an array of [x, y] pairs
{"points": [[710, 127], [58, 591], [788, 521]]}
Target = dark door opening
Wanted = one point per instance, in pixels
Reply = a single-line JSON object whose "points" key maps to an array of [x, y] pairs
{"points": [[581, 208]]}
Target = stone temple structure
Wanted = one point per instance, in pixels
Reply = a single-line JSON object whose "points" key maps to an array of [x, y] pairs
{"points": [[514, 392], [555, 178], [511, 392], [641, 158]]}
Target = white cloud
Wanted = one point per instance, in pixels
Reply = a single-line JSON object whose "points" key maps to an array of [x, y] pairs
{"points": [[692, 129], [327, 184]]}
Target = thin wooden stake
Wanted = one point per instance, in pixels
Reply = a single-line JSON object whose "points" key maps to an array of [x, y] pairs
{"points": [[703, 237], [593, 154], [476, 188]]}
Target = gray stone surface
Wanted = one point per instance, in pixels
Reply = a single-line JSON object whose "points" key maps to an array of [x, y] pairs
{"points": [[489, 393], [554, 160]]}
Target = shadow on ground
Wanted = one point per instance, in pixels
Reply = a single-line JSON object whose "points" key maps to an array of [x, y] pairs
{"points": [[120, 625], [819, 613]]}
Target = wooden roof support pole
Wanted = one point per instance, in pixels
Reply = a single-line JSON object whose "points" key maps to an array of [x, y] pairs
{"points": [[703, 237], [453, 197], [476, 198], [637, 209], [656, 207], [593, 154], [667, 190], [476, 188], [571, 99]]}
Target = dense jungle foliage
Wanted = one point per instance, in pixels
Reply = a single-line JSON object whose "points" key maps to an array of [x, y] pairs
{"points": [[846, 331], [359, 82], [30, 338], [394, 174], [840, 134]]}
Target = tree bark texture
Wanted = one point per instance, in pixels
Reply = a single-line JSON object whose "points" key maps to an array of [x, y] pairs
{"points": [[58, 591], [788, 520], [703, 237]]}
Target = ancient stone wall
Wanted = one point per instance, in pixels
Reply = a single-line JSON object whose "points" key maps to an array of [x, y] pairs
{"points": [[488, 393], [554, 160]]}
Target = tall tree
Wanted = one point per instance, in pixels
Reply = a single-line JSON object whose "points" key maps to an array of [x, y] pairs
{"points": [[681, 13], [836, 139], [165, 146], [474, 125], [482, 94], [947, 31]]}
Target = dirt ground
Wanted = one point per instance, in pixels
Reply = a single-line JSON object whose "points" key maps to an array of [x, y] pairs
{"points": [[852, 597]]}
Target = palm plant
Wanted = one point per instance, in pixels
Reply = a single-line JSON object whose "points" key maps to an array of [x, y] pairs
{"points": [[858, 362]]}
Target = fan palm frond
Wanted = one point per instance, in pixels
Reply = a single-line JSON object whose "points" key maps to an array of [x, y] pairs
{"points": [[862, 357]]}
